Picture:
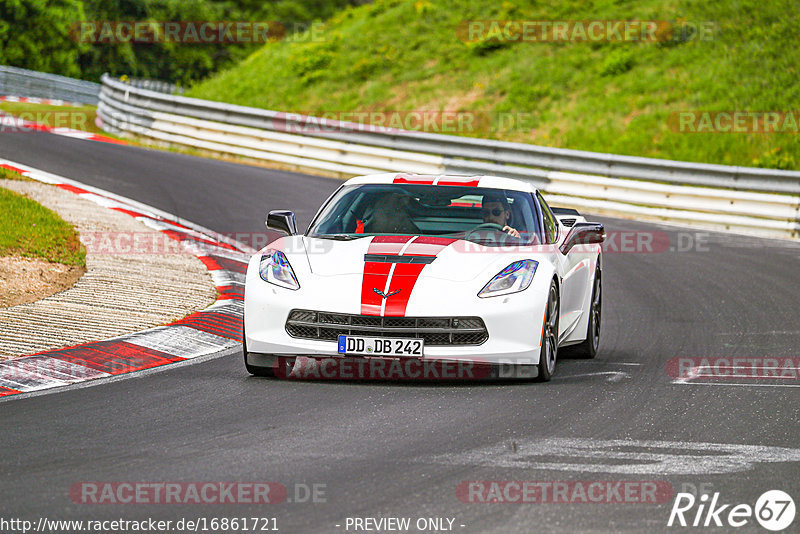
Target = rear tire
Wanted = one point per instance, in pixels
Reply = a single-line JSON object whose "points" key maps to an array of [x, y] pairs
{"points": [[548, 354], [588, 348]]}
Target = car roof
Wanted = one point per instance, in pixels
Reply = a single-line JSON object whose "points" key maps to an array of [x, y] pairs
{"points": [[494, 182]]}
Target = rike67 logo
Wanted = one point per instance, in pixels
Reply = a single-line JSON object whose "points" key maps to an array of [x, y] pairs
{"points": [[774, 510]]}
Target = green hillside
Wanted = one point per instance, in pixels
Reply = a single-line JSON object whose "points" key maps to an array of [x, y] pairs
{"points": [[603, 96]]}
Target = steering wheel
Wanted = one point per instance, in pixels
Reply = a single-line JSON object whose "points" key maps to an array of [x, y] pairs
{"points": [[486, 226], [489, 226]]}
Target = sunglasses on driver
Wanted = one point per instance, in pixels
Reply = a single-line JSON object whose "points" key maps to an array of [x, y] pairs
{"points": [[494, 211]]}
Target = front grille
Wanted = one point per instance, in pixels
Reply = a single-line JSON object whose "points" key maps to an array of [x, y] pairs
{"points": [[328, 326]]}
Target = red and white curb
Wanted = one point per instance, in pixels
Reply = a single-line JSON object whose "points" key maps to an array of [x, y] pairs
{"points": [[44, 101], [9, 123], [210, 331]]}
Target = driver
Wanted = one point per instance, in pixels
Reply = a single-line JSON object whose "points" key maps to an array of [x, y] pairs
{"points": [[495, 210]]}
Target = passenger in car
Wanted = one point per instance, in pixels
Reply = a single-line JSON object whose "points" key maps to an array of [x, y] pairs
{"points": [[389, 215]]}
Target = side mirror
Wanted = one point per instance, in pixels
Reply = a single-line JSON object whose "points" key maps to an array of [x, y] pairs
{"points": [[282, 221], [583, 234]]}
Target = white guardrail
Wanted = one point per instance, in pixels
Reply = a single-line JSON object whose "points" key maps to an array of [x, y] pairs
{"points": [[29, 83], [757, 201]]}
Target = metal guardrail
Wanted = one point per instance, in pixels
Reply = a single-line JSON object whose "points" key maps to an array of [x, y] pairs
{"points": [[760, 201], [155, 85], [22, 82]]}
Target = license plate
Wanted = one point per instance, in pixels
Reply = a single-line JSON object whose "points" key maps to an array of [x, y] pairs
{"points": [[381, 346]]}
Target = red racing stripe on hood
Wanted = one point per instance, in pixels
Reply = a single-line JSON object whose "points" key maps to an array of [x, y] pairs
{"points": [[403, 280], [428, 246], [376, 274], [406, 274], [399, 277]]}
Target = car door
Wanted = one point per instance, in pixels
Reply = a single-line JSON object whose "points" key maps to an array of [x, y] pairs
{"points": [[572, 270]]}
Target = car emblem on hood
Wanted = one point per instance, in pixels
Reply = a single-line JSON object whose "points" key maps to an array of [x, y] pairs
{"points": [[385, 295]]}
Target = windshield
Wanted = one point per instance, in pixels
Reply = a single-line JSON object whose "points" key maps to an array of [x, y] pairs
{"points": [[487, 216]]}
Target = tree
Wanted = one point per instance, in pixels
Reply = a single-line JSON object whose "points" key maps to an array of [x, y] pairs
{"points": [[35, 34]]}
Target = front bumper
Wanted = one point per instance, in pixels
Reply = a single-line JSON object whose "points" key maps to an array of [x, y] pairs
{"points": [[360, 368], [514, 322]]}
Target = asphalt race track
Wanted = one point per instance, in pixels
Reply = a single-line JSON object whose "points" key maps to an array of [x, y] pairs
{"points": [[399, 449]]}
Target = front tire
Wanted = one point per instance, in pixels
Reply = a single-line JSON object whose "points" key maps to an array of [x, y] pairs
{"points": [[548, 354], [588, 349], [266, 372]]}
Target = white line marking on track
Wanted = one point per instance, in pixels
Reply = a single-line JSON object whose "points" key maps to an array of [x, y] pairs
{"points": [[692, 383], [694, 373], [613, 376], [765, 333], [627, 457], [600, 362]]}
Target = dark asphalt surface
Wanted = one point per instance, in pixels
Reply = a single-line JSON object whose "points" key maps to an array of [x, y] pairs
{"points": [[401, 450]]}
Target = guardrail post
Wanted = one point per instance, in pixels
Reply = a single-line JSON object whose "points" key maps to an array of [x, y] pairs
{"points": [[796, 233]]}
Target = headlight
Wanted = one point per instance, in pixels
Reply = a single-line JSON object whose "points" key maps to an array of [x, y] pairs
{"points": [[275, 269], [514, 278]]}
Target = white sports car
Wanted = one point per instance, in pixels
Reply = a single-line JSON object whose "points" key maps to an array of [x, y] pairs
{"points": [[413, 276]]}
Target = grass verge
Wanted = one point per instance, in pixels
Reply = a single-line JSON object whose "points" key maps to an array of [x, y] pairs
{"points": [[78, 118], [8, 174], [28, 229], [614, 97]]}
